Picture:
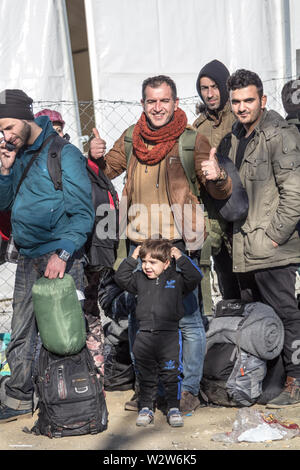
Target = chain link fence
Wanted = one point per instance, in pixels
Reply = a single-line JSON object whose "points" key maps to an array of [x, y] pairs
{"points": [[111, 119]]}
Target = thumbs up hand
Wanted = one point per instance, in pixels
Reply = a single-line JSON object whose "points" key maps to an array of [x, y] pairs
{"points": [[97, 145], [210, 167]]}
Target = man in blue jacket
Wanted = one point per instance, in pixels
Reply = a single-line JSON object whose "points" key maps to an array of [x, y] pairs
{"points": [[49, 228]]}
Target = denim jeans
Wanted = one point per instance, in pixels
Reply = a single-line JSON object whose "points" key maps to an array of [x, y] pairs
{"points": [[193, 339], [21, 351], [193, 343]]}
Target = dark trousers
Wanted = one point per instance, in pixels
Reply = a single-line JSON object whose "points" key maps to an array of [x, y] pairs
{"points": [[276, 287], [158, 355], [227, 279]]}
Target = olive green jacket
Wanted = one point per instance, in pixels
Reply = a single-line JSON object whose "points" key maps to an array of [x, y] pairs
{"points": [[270, 172], [215, 127]]}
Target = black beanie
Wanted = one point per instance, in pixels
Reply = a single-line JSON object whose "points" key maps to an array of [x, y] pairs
{"points": [[15, 104], [217, 72]]}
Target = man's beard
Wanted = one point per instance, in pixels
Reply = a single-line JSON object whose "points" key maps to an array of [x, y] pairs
{"points": [[25, 133]]}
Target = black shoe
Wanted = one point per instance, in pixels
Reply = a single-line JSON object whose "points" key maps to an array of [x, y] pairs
{"points": [[290, 395], [188, 402], [9, 414], [132, 404]]}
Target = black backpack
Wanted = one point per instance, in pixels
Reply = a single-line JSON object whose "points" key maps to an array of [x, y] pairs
{"points": [[100, 251], [70, 394], [233, 376]]}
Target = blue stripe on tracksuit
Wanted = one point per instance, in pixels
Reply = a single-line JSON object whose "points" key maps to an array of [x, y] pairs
{"points": [[180, 367], [194, 264]]}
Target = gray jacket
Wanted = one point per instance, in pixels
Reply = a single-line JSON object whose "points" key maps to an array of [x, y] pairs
{"points": [[270, 173]]}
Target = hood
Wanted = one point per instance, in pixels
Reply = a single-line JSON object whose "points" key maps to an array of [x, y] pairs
{"points": [[217, 72]]}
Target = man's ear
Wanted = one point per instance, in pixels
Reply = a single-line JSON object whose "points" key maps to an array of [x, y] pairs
{"points": [[263, 101]]}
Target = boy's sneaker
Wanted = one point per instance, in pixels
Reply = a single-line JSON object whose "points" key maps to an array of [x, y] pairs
{"points": [[145, 417], [175, 418], [9, 414]]}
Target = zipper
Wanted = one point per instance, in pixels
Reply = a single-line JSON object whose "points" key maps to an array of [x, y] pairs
{"points": [[61, 384], [158, 174]]}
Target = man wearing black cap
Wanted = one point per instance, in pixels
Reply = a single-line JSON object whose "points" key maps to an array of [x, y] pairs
{"points": [[49, 228], [266, 245], [216, 118], [215, 121]]}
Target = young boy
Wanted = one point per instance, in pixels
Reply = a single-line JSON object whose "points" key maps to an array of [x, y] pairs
{"points": [[159, 287]]}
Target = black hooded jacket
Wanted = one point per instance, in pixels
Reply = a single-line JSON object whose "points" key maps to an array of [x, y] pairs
{"points": [[160, 300], [217, 72]]}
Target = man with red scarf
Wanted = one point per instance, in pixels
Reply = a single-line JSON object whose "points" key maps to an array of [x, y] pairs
{"points": [[155, 182]]}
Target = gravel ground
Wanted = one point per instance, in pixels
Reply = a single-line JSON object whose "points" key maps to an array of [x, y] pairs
{"points": [[123, 435]]}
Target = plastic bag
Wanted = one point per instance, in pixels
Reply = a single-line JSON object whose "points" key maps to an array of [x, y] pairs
{"points": [[255, 426]]}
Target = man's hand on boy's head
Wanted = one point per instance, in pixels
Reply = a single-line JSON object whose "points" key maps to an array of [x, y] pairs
{"points": [[136, 252], [175, 253]]}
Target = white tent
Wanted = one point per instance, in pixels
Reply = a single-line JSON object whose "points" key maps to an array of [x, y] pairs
{"points": [[131, 40], [36, 55]]}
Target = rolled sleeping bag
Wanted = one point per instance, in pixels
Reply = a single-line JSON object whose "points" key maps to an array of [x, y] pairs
{"points": [[59, 315], [259, 331]]}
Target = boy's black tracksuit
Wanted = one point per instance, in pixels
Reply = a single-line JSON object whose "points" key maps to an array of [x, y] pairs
{"points": [[157, 347]]}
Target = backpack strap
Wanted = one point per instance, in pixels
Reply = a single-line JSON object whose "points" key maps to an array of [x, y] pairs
{"points": [[36, 154], [128, 143], [122, 247], [186, 144], [54, 161]]}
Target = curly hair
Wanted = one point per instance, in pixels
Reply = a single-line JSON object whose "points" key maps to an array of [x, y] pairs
{"points": [[155, 82], [243, 78], [158, 249]]}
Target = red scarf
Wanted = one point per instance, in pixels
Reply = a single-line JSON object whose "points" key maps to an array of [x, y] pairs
{"points": [[162, 138]]}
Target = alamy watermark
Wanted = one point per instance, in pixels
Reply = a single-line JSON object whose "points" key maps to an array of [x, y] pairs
{"points": [[159, 220], [296, 94], [296, 353]]}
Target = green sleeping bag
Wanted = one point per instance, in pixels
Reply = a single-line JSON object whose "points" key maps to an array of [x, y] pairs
{"points": [[59, 315]]}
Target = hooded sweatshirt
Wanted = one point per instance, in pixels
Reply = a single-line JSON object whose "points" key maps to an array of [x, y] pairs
{"points": [[215, 125], [217, 72]]}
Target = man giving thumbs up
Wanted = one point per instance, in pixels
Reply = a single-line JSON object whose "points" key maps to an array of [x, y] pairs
{"points": [[161, 204]]}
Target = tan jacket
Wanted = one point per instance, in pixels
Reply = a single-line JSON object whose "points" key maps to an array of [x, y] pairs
{"points": [[215, 127], [176, 192], [270, 172]]}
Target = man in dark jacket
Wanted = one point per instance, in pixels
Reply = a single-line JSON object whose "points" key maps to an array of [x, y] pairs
{"points": [[49, 227], [266, 245], [215, 121], [157, 193], [216, 118]]}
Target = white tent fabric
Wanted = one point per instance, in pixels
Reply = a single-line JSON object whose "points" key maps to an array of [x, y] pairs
{"points": [[134, 39], [129, 41], [35, 53]]}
